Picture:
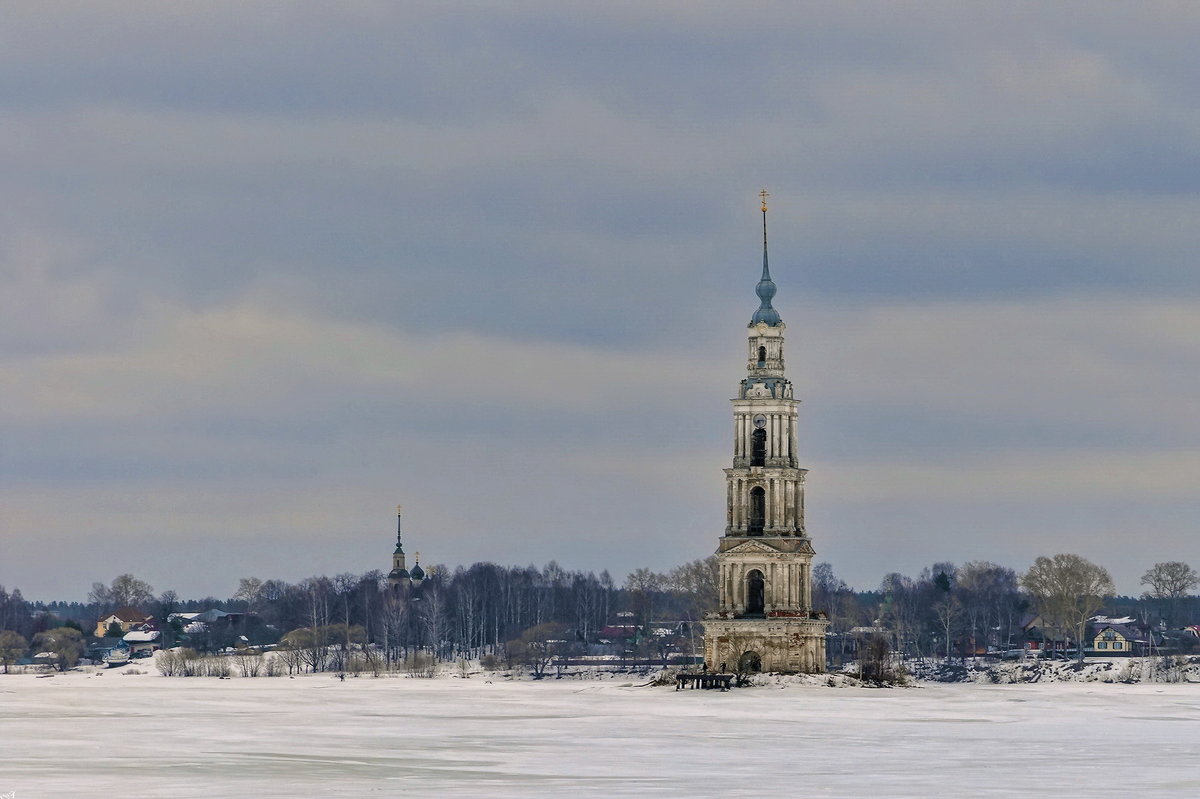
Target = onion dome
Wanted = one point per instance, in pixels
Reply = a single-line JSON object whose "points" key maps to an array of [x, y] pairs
{"points": [[766, 287], [417, 573]]}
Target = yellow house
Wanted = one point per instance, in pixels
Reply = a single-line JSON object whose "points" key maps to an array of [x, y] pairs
{"points": [[1118, 639], [1110, 640], [126, 618]]}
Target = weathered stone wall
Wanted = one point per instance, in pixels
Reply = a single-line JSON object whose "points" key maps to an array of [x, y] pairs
{"points": [[782, 644]]}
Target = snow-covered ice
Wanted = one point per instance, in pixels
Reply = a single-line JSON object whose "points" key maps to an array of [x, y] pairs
{"points": [[112, 734]]}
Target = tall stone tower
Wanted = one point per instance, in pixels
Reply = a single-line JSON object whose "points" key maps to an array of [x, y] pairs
{"points": [[765, 620]]}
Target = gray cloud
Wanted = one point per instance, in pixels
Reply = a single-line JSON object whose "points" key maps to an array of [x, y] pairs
{"points": [[266, 272]]}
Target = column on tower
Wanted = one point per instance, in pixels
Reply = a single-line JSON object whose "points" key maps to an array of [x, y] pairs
{"points": [[776, 442], [771, 600]]}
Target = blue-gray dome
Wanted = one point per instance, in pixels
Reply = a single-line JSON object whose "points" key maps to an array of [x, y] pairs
{"points": [[417, 572], [766, 292]]}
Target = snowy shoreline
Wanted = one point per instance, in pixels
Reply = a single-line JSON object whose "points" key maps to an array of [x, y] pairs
{"points": [[95, 733]]}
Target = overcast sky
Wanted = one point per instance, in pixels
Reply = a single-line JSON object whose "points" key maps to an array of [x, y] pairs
{"points": [[267, 270]]}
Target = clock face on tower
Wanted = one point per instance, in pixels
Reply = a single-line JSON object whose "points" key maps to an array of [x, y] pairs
{"points": [[760, 421]]}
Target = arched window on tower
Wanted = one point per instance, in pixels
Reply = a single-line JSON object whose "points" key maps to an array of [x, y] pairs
{"points": [[762, 356], [758, 448], [758, 510], [756, 593]]}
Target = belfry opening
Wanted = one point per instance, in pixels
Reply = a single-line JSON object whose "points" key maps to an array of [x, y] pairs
{"points": [[755, 593], [758, 448]]}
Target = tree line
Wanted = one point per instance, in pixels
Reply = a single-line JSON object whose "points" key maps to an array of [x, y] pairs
{"points": [[467, 612], [981, 606], [491, 610]]}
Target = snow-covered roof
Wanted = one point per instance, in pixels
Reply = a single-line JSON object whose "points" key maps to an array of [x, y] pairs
{"points": [[212, 614], [127, 614], [141, 636], [1124, 630], [1101, 620]]}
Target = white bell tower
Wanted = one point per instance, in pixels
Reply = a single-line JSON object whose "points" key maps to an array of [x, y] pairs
{"points": [[765, 619]]}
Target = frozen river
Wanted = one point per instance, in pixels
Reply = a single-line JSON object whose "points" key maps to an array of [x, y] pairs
{"points": [[144, 735]]}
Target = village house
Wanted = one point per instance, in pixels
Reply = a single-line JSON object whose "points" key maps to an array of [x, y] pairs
{"points": [[1121, 637], [125, 619], [138, 641], [1037, 638]]}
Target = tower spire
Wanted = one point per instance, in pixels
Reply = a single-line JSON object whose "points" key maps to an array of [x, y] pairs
{"points": [[766, 287], [398, 577]]}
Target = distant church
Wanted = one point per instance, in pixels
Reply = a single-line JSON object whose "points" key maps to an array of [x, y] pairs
{"points": [[400, 579], [765, 620]]}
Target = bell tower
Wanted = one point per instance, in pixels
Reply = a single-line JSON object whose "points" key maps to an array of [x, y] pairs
{"points": [[765, 619], [398, 577]]}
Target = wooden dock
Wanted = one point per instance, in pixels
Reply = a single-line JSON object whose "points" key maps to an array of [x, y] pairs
{"points": [[704, 680]]}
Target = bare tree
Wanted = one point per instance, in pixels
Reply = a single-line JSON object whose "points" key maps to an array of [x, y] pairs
{"points": [[343, 586], [832, 595], [65, 643], [250, 593], [1169, 583], [900, 609], [990, 596], [948, 610], [589, 599], [14, 612], [431, 613], [125, 591], [642, 584], [12, 646], [1068, 590], [396, 621], [129, 590], [317, 591], [539, 646], [697, 581], [875, 660]]}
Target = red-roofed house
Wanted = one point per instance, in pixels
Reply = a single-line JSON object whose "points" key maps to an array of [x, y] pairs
{"points": [[126, 618]]}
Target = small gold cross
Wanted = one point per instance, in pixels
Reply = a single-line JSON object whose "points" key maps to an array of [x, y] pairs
{"points": [[764, 196]]}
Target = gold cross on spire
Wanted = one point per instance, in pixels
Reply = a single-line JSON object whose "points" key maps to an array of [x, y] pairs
{"points": [[764, 196]]}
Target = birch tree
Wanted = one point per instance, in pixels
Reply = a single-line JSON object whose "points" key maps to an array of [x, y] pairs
{"points": [[1068, 590]]}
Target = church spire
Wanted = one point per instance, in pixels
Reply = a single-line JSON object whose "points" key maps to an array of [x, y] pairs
{"points": [[766, 287], [398, 577]]}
